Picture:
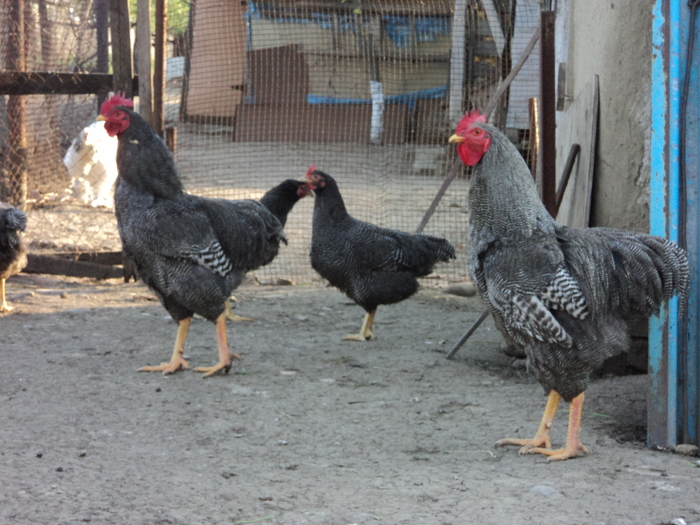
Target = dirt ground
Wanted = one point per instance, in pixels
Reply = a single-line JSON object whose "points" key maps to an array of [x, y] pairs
{"points": [[307, 429]]}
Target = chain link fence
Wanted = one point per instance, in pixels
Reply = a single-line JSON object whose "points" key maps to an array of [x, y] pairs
{"points": [[258, 92]]}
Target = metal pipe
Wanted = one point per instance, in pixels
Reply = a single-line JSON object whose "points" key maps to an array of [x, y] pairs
{"points": [[662, 416]]}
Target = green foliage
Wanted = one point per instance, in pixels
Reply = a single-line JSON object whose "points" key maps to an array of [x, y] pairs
{"points": [[178, 14]]}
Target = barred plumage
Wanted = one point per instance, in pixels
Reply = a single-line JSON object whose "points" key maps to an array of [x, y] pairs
{"points": [[538, 277], [586, 279], [213, 257], [563, 294], [531, 316]]}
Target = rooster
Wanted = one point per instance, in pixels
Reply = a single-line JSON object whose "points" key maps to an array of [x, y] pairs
{"points": [[13, 257], [563, 293], [191, 251], [371, 265]]}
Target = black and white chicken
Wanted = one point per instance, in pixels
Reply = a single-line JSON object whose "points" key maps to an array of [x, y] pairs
{"points": [[191, 251], [370, 264], [564, 294], [13, 256]]}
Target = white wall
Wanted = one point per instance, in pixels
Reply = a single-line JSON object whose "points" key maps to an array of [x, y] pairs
{"points": [[612, 38]]}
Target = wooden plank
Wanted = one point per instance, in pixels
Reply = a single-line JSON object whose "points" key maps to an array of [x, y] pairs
{"points": [[43, 83], [578, 125], [143, 55], [159, 71], [495, 25], [122, 63], [457, 63], [111, 258], [15, 188], [548, 109], [443, 8], [217, 60], [102, 33], [61, 266]]}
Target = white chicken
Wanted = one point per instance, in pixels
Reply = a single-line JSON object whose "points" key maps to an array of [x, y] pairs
{"points": [[91, 161]]}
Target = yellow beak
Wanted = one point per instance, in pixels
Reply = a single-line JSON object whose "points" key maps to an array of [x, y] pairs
{"points": [[101, 118], [455, 138]]}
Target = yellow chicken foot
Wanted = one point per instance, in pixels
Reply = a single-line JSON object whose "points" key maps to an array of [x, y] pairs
{"points": [[176, 361], [225, 355], [541, 438], [233, 317], [366, 330], [573, 443], [4, 307]]}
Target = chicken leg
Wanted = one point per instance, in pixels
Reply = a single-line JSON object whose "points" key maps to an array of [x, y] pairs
{"points": [[573, 443], [4, 307], [233, 317], [541, 438], [366, 330], [225, 355], [541, 443], [176, 361]]}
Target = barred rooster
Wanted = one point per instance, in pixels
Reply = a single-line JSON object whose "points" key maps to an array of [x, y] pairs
{"points": [[13, 257], [371, 265], [191, 251], [562, 293]]}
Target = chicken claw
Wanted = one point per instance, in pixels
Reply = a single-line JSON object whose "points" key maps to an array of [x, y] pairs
{"points": [[366, 330], [540, 444], [541, 441], [560, 453], [177, 362], [168, 368], [211, 370], [233, 317], [225, 355]]}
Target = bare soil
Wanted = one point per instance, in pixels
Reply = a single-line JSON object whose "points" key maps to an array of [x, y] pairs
{"points": [[307, 429]]}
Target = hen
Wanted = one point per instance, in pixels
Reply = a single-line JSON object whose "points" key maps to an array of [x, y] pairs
{"points": [[371, 265], [91, 162], [13, 257], [562, 293], [191, 251]]}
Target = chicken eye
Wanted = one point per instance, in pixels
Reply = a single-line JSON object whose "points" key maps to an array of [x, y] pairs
{"points": [[477, 132]]}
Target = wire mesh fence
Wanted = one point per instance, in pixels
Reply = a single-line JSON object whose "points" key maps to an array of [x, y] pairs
{"points": [[258, 92]]}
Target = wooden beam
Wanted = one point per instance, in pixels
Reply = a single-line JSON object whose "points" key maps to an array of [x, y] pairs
{"points": [[143, 55], [16, 165], [21, 83], [457, 62], [120, 32], [111, 258], [548, 110], [494, 22], [102, 35], [61, 266], [159, 71]]}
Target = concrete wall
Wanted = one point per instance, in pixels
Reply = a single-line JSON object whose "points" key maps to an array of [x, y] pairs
{"points": [[612, 38]]}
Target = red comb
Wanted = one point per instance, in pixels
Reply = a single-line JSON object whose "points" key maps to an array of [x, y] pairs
{"points": [[469, 118], [311, 170], [118, 99]]}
